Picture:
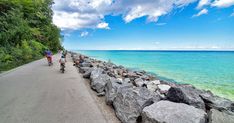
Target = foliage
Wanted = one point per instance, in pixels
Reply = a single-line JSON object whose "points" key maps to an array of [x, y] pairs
{"points": [[26, 30]]}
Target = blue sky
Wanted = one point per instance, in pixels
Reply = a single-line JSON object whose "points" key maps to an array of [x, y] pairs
{"points": [[146, 24]]}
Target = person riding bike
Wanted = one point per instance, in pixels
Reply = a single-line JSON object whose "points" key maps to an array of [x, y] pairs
{"points": [[62, 62], [48, 55]]}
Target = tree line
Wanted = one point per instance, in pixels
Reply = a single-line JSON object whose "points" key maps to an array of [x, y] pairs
{"points": [[26, 30]]}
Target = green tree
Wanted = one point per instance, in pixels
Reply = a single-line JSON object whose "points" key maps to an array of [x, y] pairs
{"points": [[26, 30]]}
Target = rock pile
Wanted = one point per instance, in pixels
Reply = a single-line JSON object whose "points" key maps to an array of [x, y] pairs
{"points": [[137, 96]]}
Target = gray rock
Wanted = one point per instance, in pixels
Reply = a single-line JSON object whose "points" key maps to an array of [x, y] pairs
{"points": [[129, 103], [87, 73], [185, 94], [216, 102], [126, 80], [164, 88], [138, 82], [96, 72], [98, 80], [83, 69], [170, 112], [152, 85], [86, 64], [216, 116], [132, 75], [99, 83], [111, 89]]}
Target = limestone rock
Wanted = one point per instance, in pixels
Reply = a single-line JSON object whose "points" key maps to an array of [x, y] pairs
{"points": [[164, 88], [129, 103], [152, 85], [185, 94], [170, 112], [216, 116]]}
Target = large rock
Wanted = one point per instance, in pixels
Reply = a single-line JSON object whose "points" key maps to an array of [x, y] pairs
{"points": [[186, 94], [98, 80], [216, 102], [96, 72], [86, 64], [170, 112], [153, 85], [216, 116], [99, 83], [87, 73], [129, 103], [126, 80], [83, 69], [139, 82], [164, 88], [111, 89]]}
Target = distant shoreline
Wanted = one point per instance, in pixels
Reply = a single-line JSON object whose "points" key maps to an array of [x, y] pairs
{"points": [[164, 50]]}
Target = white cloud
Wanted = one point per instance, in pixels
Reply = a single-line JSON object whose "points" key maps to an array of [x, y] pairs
{"points": [[103, 25], [79, 14], [75, 20], [203, 3], [84, 34], [152, 9], [202, 12], [84, 14], [223, 3]]}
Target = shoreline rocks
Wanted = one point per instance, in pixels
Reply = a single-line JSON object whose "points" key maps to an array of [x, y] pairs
{"points": [[216, 116], [137, 96]]}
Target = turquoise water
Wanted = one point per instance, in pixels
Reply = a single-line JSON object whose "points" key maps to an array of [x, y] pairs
{"points": [[210, 70]]}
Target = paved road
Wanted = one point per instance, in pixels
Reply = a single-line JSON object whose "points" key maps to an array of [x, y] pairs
{"points": [[37, 93]]}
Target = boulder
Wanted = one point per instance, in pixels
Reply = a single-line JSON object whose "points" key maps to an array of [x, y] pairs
{"points": [[129, 103], [216, 116], [216, 102], [138, 82], [132, 75], [152, 85], [98, 80], [87, 73], [111, 89], [170, 112], [185, 94], [83, 69], [126, 80], [96, 72], [99, 83], [86, 64], [163, 88]]}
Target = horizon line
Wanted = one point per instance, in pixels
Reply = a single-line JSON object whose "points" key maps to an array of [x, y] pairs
{"points": [[151, 50]]}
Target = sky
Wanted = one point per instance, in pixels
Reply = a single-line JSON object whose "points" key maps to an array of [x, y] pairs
{"points": [[145, 24]]}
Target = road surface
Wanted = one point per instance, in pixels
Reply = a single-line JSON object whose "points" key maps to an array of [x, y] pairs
{"points": [[38, 93]]}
